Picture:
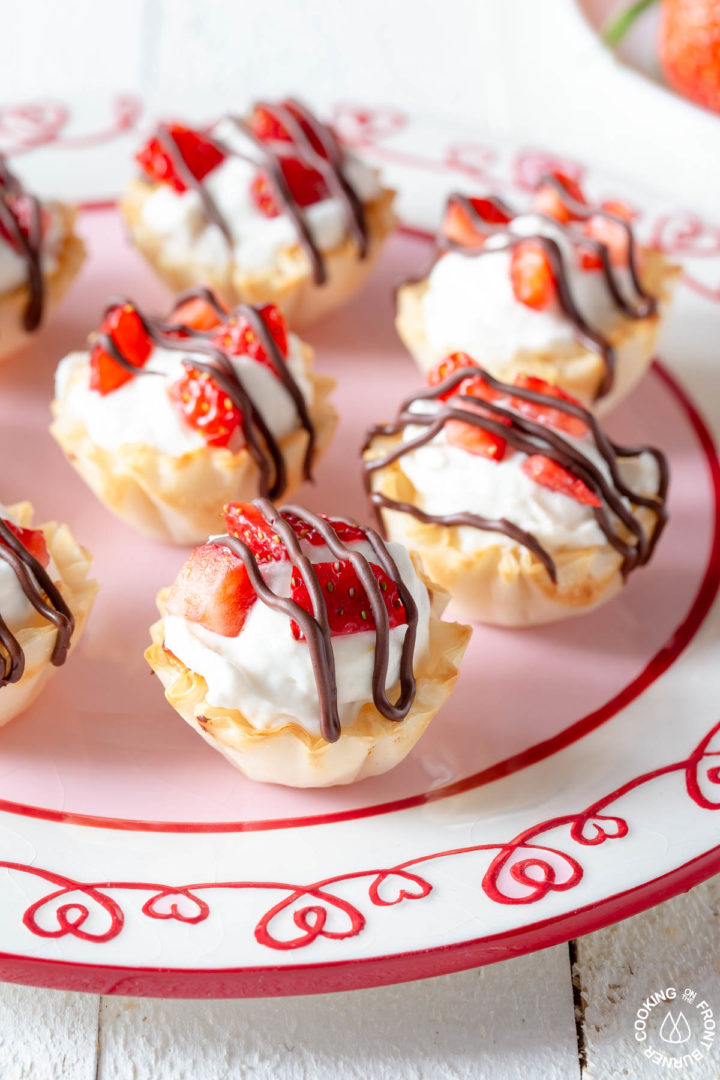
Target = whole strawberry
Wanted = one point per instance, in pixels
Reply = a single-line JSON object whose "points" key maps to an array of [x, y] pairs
{"points": [[688, 46]]}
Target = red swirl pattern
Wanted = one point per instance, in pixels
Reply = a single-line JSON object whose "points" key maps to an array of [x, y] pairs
{"points": [[521, 871]]}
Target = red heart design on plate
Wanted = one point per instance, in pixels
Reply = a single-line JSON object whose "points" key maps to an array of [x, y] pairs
{"points": [[472, 158], [178, 904], [530, 166], [35, 123], [688, 236], [396, 886], [362, 126], [598, 828]]}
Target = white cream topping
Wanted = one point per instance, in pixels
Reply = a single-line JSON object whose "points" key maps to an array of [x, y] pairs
{"points": [[140, 411], [13, 267], [470, 306], [179, 218], [268, 675], [450, 480], [15, 608]]}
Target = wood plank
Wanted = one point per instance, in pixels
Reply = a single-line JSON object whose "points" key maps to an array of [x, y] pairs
{"points": [[47, 1034], [511, 1021], [673, 945]]}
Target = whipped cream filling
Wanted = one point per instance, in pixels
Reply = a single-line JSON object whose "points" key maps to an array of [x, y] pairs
{"points": [[268, 675], [258, 241], [450, 480], [470, 306], [15, 608], [13, 267], [140, 411]]}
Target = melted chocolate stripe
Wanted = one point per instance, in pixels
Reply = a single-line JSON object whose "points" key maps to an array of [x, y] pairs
{"points": [[530, 437], [28, 247], [44, 596], [191, 182], [315, 626]]}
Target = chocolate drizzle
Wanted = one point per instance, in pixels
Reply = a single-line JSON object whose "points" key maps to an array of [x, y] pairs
{"points": [[529, 437], [27, 245], [44, 596], [262, 445], [319, 150], [589, 336], [315, 626]]}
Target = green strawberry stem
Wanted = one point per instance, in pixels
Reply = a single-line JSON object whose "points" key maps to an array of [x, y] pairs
{"points": [[619, 26]]}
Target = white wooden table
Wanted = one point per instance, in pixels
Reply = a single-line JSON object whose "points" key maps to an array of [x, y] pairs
{"points": [[562, 1014]]}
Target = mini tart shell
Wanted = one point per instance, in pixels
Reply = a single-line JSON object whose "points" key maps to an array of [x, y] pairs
{"points": [[503, 584], [288, 282], [37, 640], [577, 369], [13, 304], [180, 499], [290, 755]]}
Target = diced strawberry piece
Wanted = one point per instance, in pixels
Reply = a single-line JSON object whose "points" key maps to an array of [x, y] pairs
{"points": [[548, 200], [307, 186], [546, 414], [22, 209], [200, 155], [237, 337], [214, 590], [587, 259], [549, 474], [197, 313], [475, 386], [125, 327], [612, 234], [475, 440], [32, 539], [348, 607], [531, 274], [269, 128], [459, 227], [205, 406], [245, 521], [447, 367], [619, 208]]}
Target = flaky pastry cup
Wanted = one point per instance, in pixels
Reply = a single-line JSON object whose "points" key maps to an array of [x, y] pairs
{"points": [[37, 639], [288, 282], [503, 584], [180, 499], [575, 368], [290, 755], [12, 304]]}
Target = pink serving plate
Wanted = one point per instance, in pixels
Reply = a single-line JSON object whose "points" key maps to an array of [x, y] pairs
{"points": [[572, 780]]}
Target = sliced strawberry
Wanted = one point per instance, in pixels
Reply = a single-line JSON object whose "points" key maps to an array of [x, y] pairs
{"points": [[549, 474], [307, 186], [237, 337], [205, 406], [125, 327], [347, 604], [197, 313], [460, 228], [32, 539], [447, 367], [214, 590], [612, 234], [531, 274], [269, 128], [22, 209], [475, 386], [200, 155], [245, 521], [475, 440], [546, 414], [548, 200], [619, 208]]}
